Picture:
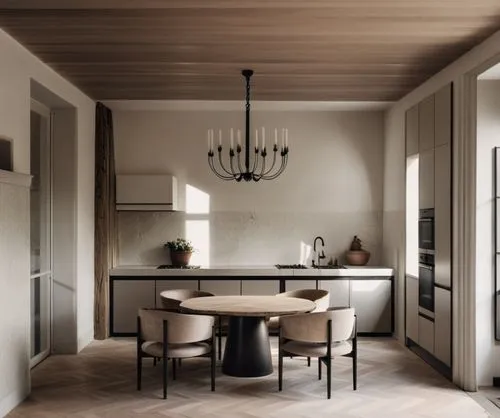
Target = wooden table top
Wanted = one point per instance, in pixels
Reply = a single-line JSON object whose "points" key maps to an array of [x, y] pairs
{"points": [[247, 305]]}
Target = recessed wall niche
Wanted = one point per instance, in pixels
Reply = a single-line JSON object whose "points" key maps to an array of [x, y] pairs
{"points": [[5, 154]]}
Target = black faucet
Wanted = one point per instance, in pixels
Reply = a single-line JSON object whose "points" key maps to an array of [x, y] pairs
{"points": [[320, 256]]}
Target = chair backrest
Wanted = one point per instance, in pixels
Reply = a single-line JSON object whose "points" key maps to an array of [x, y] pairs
{"points": [[171, 299], [319, 296], [312, 327], [182, 328]]}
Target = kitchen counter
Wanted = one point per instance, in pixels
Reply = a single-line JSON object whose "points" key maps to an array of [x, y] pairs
{"points": [[252, 271], [369, 289]]}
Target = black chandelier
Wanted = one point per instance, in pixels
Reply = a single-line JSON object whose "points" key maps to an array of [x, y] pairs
{"points": [[255, 168]]}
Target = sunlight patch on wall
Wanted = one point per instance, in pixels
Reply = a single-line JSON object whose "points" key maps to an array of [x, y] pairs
{"points": [[305, 253], [198, 232], [198, 229], [197, 201]]}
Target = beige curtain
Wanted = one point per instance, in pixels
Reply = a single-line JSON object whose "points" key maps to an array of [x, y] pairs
{"points": [[105, 236]]}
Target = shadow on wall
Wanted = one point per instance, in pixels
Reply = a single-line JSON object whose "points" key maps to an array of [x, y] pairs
{"points": [[6, 154]]}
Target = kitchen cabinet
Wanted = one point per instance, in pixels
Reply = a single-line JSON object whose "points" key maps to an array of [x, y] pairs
{"points": [[372, 300], [412, 308], [128, 297], [442, 116], [162, 285], [426, 179], [426, 334], [339, 292], [426, 124], [442, 325], [299, 284], [412, 131], [221, 287], [442, 215], [260, 287]]}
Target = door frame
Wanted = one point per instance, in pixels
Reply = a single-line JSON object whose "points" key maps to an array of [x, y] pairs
{"points": [[45, 112]]}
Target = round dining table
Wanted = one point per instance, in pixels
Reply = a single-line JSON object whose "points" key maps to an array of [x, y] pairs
{"points": [[247, 352]]}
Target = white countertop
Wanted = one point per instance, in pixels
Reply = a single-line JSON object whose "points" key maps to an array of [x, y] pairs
{"points": [[252, 271]]}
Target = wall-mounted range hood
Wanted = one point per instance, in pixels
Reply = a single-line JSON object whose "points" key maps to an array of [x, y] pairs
{"points": [[146, 192]]}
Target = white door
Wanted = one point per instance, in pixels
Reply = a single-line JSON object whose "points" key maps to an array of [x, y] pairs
{"points": [[40, 233]]}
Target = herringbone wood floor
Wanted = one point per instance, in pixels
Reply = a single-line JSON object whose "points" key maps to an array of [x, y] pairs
{"points": [[100, 382]]}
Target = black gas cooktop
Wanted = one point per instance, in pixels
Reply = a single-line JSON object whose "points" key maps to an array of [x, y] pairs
{"points": [[169, 266], [290, 266]]}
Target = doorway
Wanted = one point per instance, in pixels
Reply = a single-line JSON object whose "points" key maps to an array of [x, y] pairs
{"points": [[40, 232]]}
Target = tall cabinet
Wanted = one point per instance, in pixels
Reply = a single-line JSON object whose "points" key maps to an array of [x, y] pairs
{"points": [[429, 136]]}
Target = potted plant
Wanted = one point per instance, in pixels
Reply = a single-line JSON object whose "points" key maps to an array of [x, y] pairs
{"points": [[180, 251], [357, 256]]}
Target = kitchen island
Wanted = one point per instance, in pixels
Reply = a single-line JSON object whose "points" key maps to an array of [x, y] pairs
{"points": [[370, 290]]}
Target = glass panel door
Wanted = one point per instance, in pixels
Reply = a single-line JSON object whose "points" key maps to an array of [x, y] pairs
{"points": [[41, 233]]}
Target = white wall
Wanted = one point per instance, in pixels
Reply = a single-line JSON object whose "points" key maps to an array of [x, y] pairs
{"points": [[394, 169], [332, 186], [18, 68], [488, 137]]}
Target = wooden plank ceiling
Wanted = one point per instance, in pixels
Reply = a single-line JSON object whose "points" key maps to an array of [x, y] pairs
{"points": [[312, 50]]}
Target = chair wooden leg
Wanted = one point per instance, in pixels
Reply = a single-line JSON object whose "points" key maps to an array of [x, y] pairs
{"points": [[319, 368], [139, 354], [280, 363], [355, 356], [355, 368], [180, 363], [329, 378], [165, 358], [174, 376], [219, 340], [329, 360], [154, 361], [212, 362], [308, 361]]}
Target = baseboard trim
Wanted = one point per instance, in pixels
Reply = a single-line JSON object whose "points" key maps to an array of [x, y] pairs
{"points": [[430, 359], [9, 402], [85, 339]]}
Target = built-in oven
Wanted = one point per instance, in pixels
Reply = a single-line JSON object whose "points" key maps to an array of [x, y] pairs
{"points": [[426, 230], [426, 284]]}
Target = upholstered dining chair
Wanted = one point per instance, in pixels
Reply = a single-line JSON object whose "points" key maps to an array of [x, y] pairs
{"points": [[170, 335], [171, 299], [319, 296], [324, 335]]}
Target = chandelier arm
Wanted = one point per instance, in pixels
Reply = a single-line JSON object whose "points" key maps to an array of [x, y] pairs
{"points": [[272, 166], [239, 162], [284, 162], [236, 173], [222, 165], [221, 176], [255, 160]]}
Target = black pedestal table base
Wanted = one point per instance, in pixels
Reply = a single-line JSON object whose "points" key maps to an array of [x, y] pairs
{"points": [[247, 352]]}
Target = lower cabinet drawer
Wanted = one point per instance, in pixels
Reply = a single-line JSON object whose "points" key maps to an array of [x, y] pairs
{"points": [[128, 297], [260, 287], [426, 334], [221, 287]]}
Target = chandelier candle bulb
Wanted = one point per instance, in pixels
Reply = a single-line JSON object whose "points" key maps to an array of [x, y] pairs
{"points": [[286, 138], [208, 139], [232, 139], [220, 138], [256, 140], [239, 138], [275, 137]]}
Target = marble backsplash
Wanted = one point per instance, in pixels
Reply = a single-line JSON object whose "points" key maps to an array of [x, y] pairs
{"points": [[245, 238]]}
